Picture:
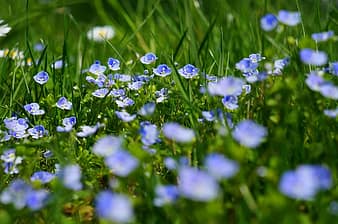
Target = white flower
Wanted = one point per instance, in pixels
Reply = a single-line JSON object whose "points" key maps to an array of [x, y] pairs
{"points": [[4, 29], [101, 33]]}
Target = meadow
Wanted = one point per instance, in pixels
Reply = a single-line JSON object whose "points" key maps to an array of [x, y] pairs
{"points": [[154, 111]]}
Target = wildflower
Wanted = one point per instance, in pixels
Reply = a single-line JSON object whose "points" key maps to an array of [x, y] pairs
{"points": [[170, 163], [100, 93], [220, 167], [47, 154], [269, 22], [149, 133], [34, 109], [71, 177], [162, 70], [113, 64], [334, 68], [117, 93], [178, 133], [41, 78], [230, 102], [314, 81], [113, 207], [68, 124], [39, 47], [165, 194], [125, 116], [311, 57], [17, 127], [42, 176], [304, 182], [324, 36], [289, 18], [122, 77], [247, 66], [147, 109], [107, 145], [226, 86], [4, 28], [35, 199], [101, 33], [188, 71], [16, 193], [136, 85], [4, 136], [57, 64], [161, 95], [279, 65], [10, 161], [88, 130], [148, 58], [97, 68], [124, 102], [329, 90], [64, 104], [246, 88], [197, 185], [37, 131], [249, 134], [331, 113], [121, 163], [209, 115]]}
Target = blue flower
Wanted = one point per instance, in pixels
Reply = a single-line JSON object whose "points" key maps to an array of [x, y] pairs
{"points": [[34, 109], [57, 64], [324, 36], [188, 71], [148, 58], [314, 81], [41, 78], [10, 161], [334, 68], [331, 113], [88, 130], [147, 109], [162, 70], [17, 127], [149, 133], [107, 145], [304, 182], [42, 176], [121, 163], [135, 85], [125, 116], [122, 77], [161, 95], [71, 177], [197, 185], [226, 86], [124, 102], [100, 93], [312, 57], [16, 193], [165, 194], [68, 124], [37, 131], [269, 22], [35, 199], [97, 68], [64, 104], [113, 207], [329, 90], [220, 167], [178, 133], [247, 88], [113, 64], [289, 18], [249, 134], [170, 163], [230, 102], [117, 93], [279, 65], [209, 115]]}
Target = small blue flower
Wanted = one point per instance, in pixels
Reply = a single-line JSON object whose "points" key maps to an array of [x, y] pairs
{"points": [[161, 95], [226, 86], [88, 130], [178, 133], [279, 65], [148, 58], [42, 176], [97, 68], [16, 193], [162, 70], [149, 133], [117, 93], [147, 109], [71, 177], [304, 182], [113, 207], [35, 199], [34, 109], [324, 36], [37, 131], [249, 134], [246, 65], [107, 145], [269, 22], [124, 102], [230, 102], [334, 68], [188, 71], [122, 77], [170, 163], [57, 64], [113, 64], [121, 163], [209, 115], [220, 167], [136, 85], [125, 116], [64, 104], [331, 113], [247, 88], [68, 124], [197, 185], [100, 93], [289, 18], [39, 47], [312, 57], [314, 81], [329, 90], [165, 194], [10, 161], [41, 78]]}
